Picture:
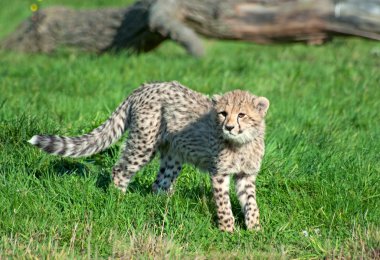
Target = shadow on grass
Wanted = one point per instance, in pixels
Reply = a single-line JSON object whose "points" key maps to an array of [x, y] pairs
{"points": [[63, 167], [66, 167], [197, 194], [103, 181], [194, 193]]}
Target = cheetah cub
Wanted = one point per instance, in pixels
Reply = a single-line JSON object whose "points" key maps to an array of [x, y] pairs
{"points": [[223, 135]]}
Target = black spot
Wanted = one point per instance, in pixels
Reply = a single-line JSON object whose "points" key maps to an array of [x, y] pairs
{"points": [[168, 175], [218, 190], [250, 196]]}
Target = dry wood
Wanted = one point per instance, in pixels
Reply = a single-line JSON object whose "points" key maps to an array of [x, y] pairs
{"points": [[144, 25]]}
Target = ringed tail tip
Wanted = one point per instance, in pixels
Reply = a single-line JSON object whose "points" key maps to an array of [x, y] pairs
{"points": [[33, 140]]}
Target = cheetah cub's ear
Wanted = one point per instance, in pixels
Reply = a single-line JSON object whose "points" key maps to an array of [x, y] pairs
{"points": [[262, 105], [215, 99]]}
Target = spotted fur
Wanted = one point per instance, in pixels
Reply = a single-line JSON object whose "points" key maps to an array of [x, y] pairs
{"points": [[223, 136]]}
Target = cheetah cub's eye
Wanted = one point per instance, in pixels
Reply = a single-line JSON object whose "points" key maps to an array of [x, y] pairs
{"points": [[223, 113], [241, 115]]}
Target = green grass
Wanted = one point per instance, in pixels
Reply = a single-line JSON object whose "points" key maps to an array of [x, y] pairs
{"points": [[320, 175]]}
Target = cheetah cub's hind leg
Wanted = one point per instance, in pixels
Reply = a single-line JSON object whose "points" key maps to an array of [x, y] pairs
{"points": [[170, 167], [138, 151], [246, 192]]}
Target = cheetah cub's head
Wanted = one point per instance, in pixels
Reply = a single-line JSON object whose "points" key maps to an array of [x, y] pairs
{"points": [[240, 115]]}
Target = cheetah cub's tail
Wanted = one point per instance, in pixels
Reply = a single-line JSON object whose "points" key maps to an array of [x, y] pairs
{"points": [[95, 141]]}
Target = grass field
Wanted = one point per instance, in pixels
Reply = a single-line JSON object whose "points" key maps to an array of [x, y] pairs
{"points": [[318, 190]]}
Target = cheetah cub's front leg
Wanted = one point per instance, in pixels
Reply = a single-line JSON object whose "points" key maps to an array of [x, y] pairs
{"points": [[221, 185], [246, 191]]}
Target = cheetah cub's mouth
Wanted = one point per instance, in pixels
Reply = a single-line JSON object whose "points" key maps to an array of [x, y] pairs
{"points": [[240, 115]]}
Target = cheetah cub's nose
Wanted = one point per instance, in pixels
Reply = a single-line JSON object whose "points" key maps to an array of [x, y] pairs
{"points": [[229, 127]]}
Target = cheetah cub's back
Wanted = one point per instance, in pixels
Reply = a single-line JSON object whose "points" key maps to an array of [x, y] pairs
{"points": [[223, 136]]}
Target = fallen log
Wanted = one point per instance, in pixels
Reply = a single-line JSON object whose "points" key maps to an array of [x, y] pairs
{"points": [[142, 26]]}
